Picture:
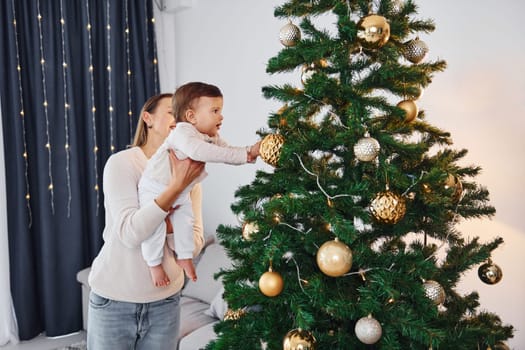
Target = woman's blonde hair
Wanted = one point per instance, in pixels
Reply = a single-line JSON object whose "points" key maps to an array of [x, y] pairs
{"points": [[141, 133], [186, 94]]}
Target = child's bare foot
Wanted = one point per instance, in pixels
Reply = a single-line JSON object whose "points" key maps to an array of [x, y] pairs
{"points": [[189, 268], [158, 275]]}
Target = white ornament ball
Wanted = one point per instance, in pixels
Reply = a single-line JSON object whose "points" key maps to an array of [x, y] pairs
{"points": [[434, 291], [366, 149], [368, 330], [334, 258], [289, 34]]}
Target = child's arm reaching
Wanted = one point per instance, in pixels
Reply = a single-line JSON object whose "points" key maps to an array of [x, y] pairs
{"points": [[187, 140]]}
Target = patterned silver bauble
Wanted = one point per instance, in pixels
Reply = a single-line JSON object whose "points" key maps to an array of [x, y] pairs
{"points": [[366, 149], [490, 273], [368, 330], [434, 291], [415, 50], [397, 6], [289, 34]]}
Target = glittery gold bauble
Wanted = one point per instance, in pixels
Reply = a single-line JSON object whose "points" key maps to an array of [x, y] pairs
{"points": [[299, 339], [232, 315], [388, 207], [410, 108], [270, 148], [434, 292], [366, 149], [334, 258], [271, 283], [490, 273], [373, 31], [368, 330], [289, 34], [248, 228], [415, 50], [454, 182]]}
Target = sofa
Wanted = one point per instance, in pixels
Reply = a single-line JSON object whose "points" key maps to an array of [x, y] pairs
{"points": [[202, 305]]}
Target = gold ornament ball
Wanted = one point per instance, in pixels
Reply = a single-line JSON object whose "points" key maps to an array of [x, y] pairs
{"points": [[490, 273], [366, 149], [388, 207], [271, 283], [249, 228], [434, 291], [410, 108], [368, 330], [289, 34], [299, 339], [501, 346], [454, 183], [270, 148], [373, 31], [334, 258]]}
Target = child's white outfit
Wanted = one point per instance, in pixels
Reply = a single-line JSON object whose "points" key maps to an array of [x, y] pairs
{"points": [[187, 142]]}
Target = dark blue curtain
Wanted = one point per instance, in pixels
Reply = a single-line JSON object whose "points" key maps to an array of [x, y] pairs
{"points": [[73, 77]]}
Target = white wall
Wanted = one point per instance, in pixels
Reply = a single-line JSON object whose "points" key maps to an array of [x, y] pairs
{"points": [[479, 99]]}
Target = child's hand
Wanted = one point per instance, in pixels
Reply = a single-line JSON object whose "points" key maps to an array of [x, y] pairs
{"points": [[253, 153]]}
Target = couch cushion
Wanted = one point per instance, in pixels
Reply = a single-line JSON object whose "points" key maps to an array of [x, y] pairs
{"points": [[192, 316], [206, 287], [218, 306], [199, 338]]}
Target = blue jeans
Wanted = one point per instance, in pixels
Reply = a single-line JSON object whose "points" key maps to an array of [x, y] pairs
{"points": [[116, 325]]}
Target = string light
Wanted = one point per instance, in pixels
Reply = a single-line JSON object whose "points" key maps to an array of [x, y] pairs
{"points": [[93, 108], [22, 120], [66, 110], [110, 80], [155, 73], [46, 114], [128, 62]]}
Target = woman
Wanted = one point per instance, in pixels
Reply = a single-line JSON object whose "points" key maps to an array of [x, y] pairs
{"points": [[126, 311]]}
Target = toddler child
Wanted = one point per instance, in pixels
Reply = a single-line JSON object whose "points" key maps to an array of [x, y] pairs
{"points": [[197, 108]]}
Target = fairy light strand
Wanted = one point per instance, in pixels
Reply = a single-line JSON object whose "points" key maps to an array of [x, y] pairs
{"points": [[110, 74], [155, 73], [93, 108], [66, 109], [46, 114], [22, 119], [128, 73], [318, 183]]}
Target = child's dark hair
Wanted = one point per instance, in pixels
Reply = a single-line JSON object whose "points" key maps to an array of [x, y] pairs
{"points": [[186, 94]]}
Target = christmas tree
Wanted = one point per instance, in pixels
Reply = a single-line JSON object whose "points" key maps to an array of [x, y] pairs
{"points": [[350, 241]]}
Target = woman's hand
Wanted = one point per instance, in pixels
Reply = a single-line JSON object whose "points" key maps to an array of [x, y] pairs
{"points": [[183, 172]]}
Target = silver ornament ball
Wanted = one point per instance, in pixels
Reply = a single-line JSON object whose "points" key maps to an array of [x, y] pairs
{"points": [[415, 50], [366, 149], [368, 330], [434, 291], [289, 34]]}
